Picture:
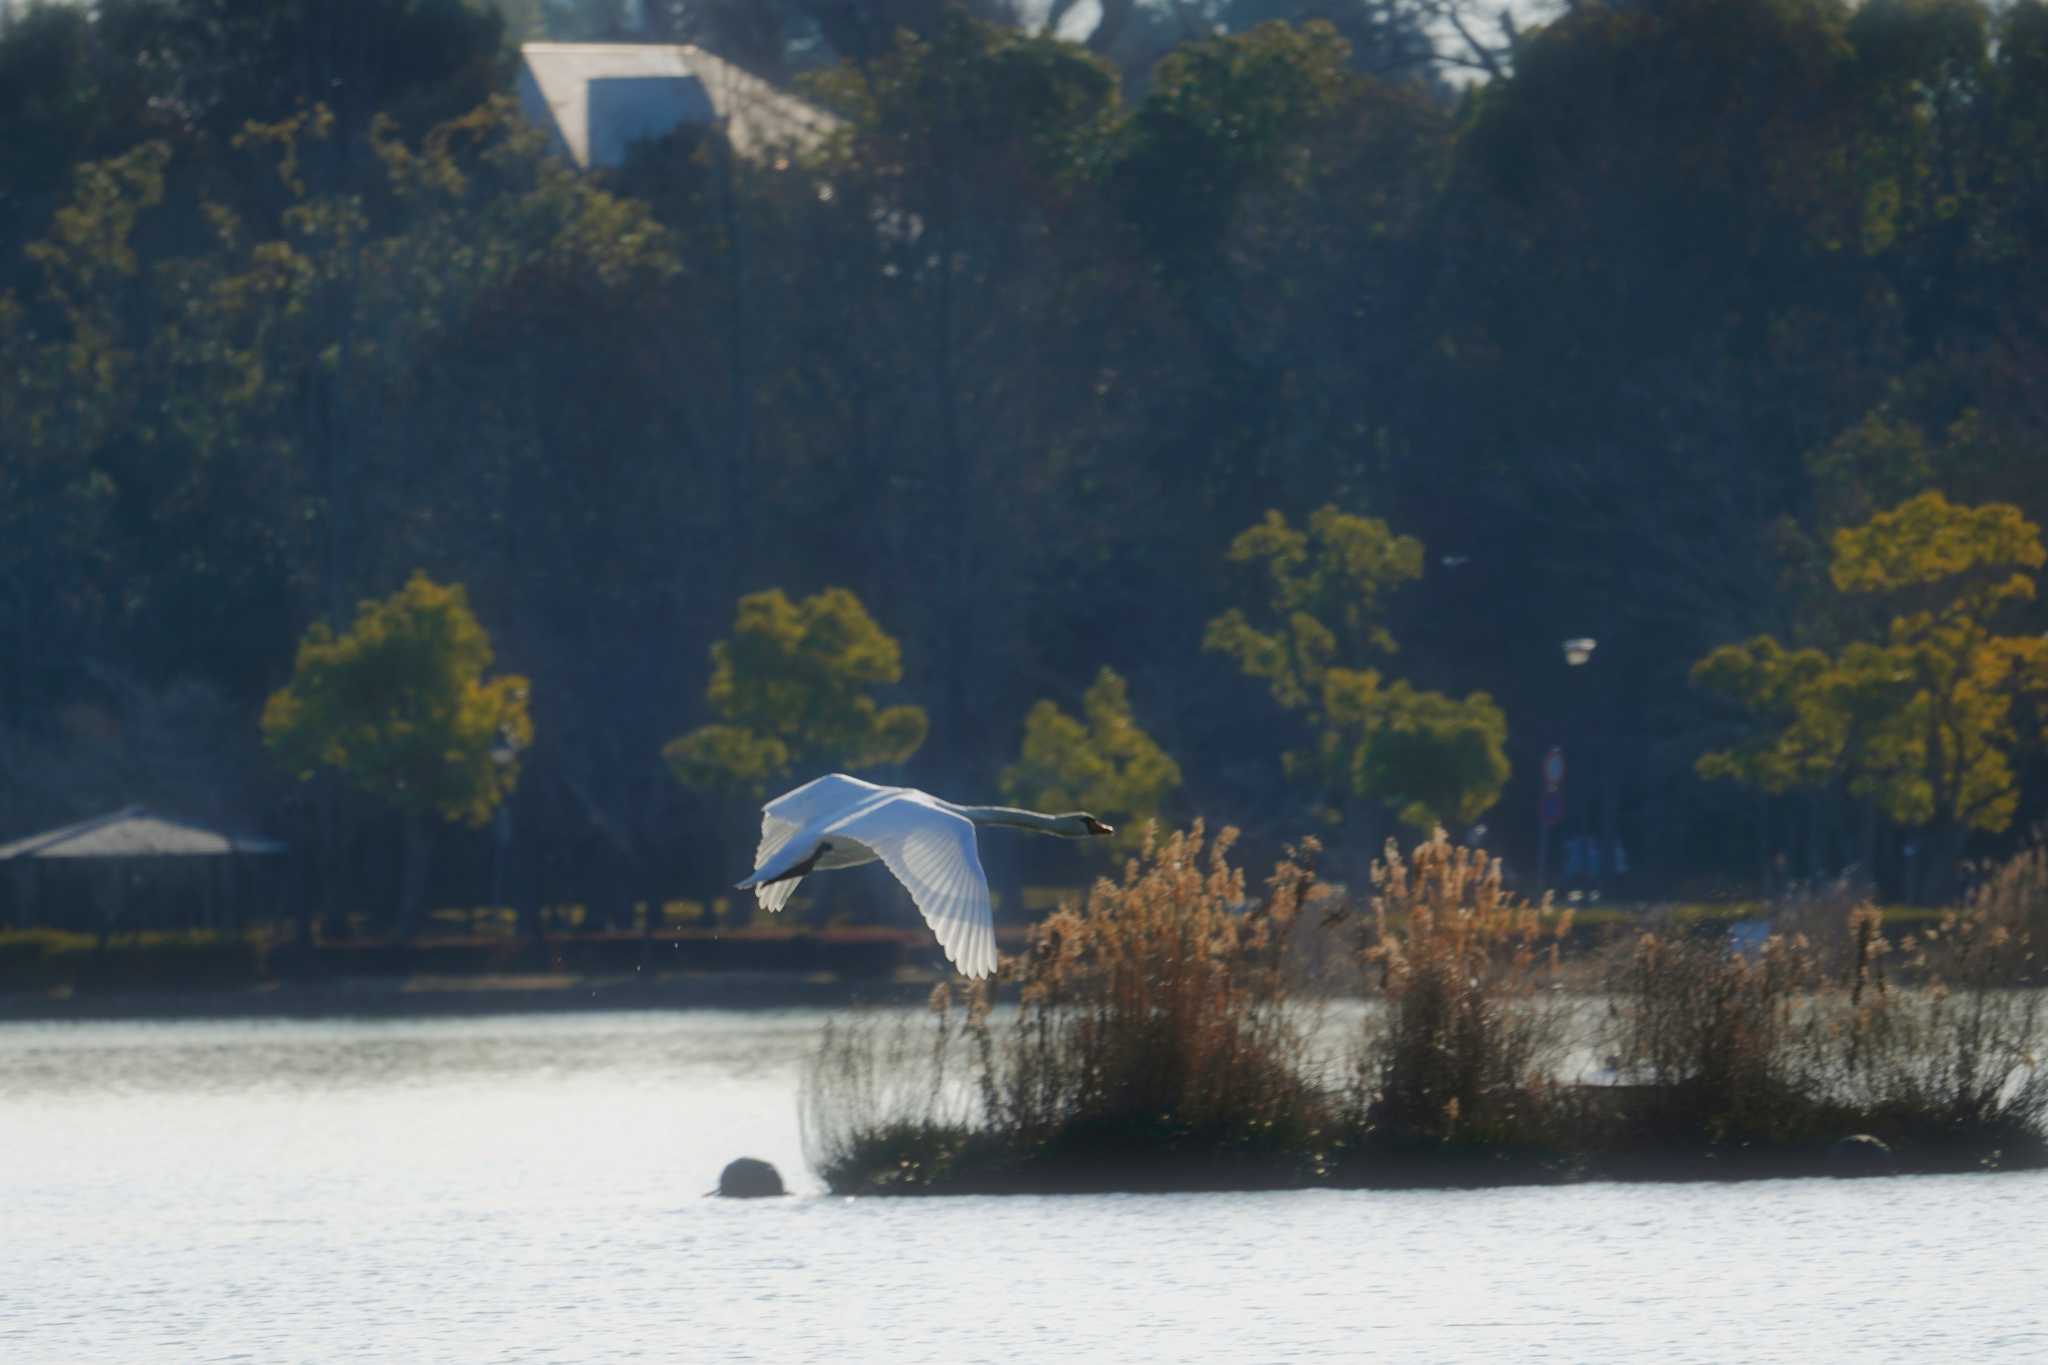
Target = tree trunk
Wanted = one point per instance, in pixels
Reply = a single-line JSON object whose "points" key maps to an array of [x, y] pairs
{"points": [[1763, 846], [1009, 880], [412, 880], [525, 893], [303, 912], [1866, 856], [736, 850], [333, 917], [739, 446], [1942, 852], [1610, 816], [1814, 860]]}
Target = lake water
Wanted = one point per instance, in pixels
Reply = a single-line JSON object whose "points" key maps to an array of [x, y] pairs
{"points": [[527, 1188]]}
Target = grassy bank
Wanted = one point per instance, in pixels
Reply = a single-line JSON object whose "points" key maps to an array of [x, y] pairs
{"points": [[1169, 1033], [44, 961]]}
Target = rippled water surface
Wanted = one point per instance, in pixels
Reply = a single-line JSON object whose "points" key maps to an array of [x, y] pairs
{"points": [[527, 1188]]}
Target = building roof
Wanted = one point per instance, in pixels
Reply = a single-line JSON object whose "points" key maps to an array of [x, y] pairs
{"points": [[597, 99], [134, 833]]}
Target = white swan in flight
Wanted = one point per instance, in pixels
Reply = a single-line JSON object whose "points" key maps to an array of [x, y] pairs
{"points": [[840, 821]]}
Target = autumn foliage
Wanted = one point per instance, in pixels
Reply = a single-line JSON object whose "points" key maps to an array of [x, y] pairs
{"points": [[1156, 1042], [1928, 704], [792, 687], [1171, 1033], [399, 704]]}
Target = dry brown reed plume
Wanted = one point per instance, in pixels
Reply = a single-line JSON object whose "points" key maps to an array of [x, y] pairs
{"points": [[1930, 1043], [1155, 1040], [2013, 896], [1163, 1003], [1161, 1040], [1713, 1042], [1473, 1029], [882, 1108], [1824, 915], [1959, 1053]]}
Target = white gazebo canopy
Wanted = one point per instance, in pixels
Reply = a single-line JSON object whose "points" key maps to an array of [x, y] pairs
{"points": [[596, 99], [135, 833], [173, 873]]}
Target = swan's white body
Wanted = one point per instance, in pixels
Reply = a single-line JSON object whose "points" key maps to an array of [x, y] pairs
{"points": [[840, 821]]}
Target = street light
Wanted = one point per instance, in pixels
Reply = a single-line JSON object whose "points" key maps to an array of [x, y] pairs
{"points": [[503, 753], [1578, 651]]}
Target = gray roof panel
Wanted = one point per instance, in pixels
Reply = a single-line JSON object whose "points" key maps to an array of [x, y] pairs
{"points": [[135, 833], [596, 99]]}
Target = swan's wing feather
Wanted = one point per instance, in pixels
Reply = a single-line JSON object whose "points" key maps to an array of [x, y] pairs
{"points": [[785, 817], [820, 797], [932, 852], [776, 833]]}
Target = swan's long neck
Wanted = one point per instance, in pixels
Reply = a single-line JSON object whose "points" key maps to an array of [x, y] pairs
{"points": [[1011, 816]]}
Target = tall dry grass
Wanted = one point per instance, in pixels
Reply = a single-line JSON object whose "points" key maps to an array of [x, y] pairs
{"points": [[2013, 896], [1932, 1044], [1713, 1045], [1157, 1040], [1465, 1051], [1957, 1059], [885, 1106], [1163, 1036], [1163, 1002]]}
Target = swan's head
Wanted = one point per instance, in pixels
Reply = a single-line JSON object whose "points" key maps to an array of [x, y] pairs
{"points": [[1084, 826]]}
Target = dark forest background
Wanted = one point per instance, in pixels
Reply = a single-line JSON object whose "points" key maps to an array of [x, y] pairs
{"points": [[1621, 314]]}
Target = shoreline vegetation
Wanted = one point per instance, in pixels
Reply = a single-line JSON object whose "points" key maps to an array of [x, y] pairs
{"points": [[51, 974], [189, 971], [1172, 1032]]}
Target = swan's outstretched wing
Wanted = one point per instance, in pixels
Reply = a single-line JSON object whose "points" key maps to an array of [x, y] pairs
{"points": [[932, 853], [821, 796], [788, 813]]}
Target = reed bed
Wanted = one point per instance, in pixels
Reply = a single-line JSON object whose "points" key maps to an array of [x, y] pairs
{"points": [[1170, 1033], [1457, 1073], [1157, 1042], [1767, 1061]]}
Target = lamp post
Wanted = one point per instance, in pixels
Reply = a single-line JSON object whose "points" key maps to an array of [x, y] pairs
{"points": [[1578, 651], [503, 753], [1549, 810]]}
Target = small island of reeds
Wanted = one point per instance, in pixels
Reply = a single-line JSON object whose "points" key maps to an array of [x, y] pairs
{"points": [[1179, 1030]]}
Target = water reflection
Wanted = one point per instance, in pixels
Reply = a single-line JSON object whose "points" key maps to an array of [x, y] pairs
{"points": [[211, 1056], [527, 1188]]}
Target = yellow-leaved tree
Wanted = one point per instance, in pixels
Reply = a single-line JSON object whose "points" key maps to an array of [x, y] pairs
{"points": [[1924, 716], [399, 705], [791, 687], [1314, 636], [1102, 762]]}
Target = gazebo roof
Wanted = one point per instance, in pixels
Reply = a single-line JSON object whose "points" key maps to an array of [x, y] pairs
{"points": [[595, 99], [135, 833]]}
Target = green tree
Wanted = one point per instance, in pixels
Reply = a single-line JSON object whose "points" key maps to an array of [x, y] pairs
{"points": [[1101, 761], [1923, 716], [231, 61], [400, 706], [1227, 116], [971, 99], [790, 687], [71, 90], [1431, 759], [1427, 757], [995, 323], [1801, 736]]}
